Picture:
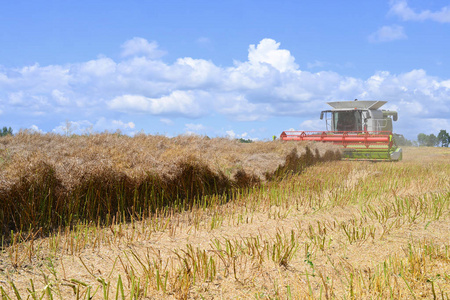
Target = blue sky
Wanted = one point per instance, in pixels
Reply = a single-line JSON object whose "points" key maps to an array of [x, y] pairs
{"points": [[220, 68]]}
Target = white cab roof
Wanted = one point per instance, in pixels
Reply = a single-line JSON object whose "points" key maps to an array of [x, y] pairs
{"points": [[365, 104]]}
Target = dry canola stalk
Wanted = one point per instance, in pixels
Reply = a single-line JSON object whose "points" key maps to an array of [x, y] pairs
{"points": [[51, 181]]}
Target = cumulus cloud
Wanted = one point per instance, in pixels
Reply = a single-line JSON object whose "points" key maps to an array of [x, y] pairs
{"points": [[267, 51], [35, 128], [435, 125], [59, 97], [231, 134], [105, 94], [388, 34], [194, 127], [140, 46], [239, 108], [313, 125], [401, 9], [121, 124], [72, 127], [186, 103], [97, 68], [16, 98]]}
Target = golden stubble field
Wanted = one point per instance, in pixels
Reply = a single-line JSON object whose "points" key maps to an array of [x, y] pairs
{"points": [[337, 230]]}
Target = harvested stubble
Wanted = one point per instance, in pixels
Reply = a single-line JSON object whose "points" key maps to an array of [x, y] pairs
{"points": [[338, 230], [48, 181]]}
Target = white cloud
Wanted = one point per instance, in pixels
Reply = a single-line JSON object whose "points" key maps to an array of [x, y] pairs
{"points": [[233, 135], [186, 103], [388, 34], [120, 124], [312, 125], [16, 98], [435, 125], [166, 121], [140, 46], [402, 9], [412, 107], [195, 72], [446, 84], [71, 127], [99, 67], [35, 128], [59, 97], [267, 51], [230, 134], [238, 107], [194, 127]]}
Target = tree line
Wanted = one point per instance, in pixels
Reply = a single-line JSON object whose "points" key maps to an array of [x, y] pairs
{"points": [[6, 131], [426, 140], [431, 140]]}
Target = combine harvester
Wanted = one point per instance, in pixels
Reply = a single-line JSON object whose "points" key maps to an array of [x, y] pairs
{"points": [[362, 129]]}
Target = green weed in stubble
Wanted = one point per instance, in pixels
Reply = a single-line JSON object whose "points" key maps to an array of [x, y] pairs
{"points": [[356, 231], [319, 237], [284, 249]]}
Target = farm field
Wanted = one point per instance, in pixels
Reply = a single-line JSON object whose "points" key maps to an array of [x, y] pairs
{"points": [[334, 230]]}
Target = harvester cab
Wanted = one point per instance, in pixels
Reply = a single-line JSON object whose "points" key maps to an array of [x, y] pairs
{"points": [[358, 116], [362, 129]]}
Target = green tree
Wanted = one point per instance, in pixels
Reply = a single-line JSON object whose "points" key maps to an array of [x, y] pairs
{"points": [[443, 138], [422, 139], [242, 140], [6, 131], [432, 141]]}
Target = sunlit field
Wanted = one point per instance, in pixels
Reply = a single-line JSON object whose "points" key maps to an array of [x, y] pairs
{"points": [[242, 221]]}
